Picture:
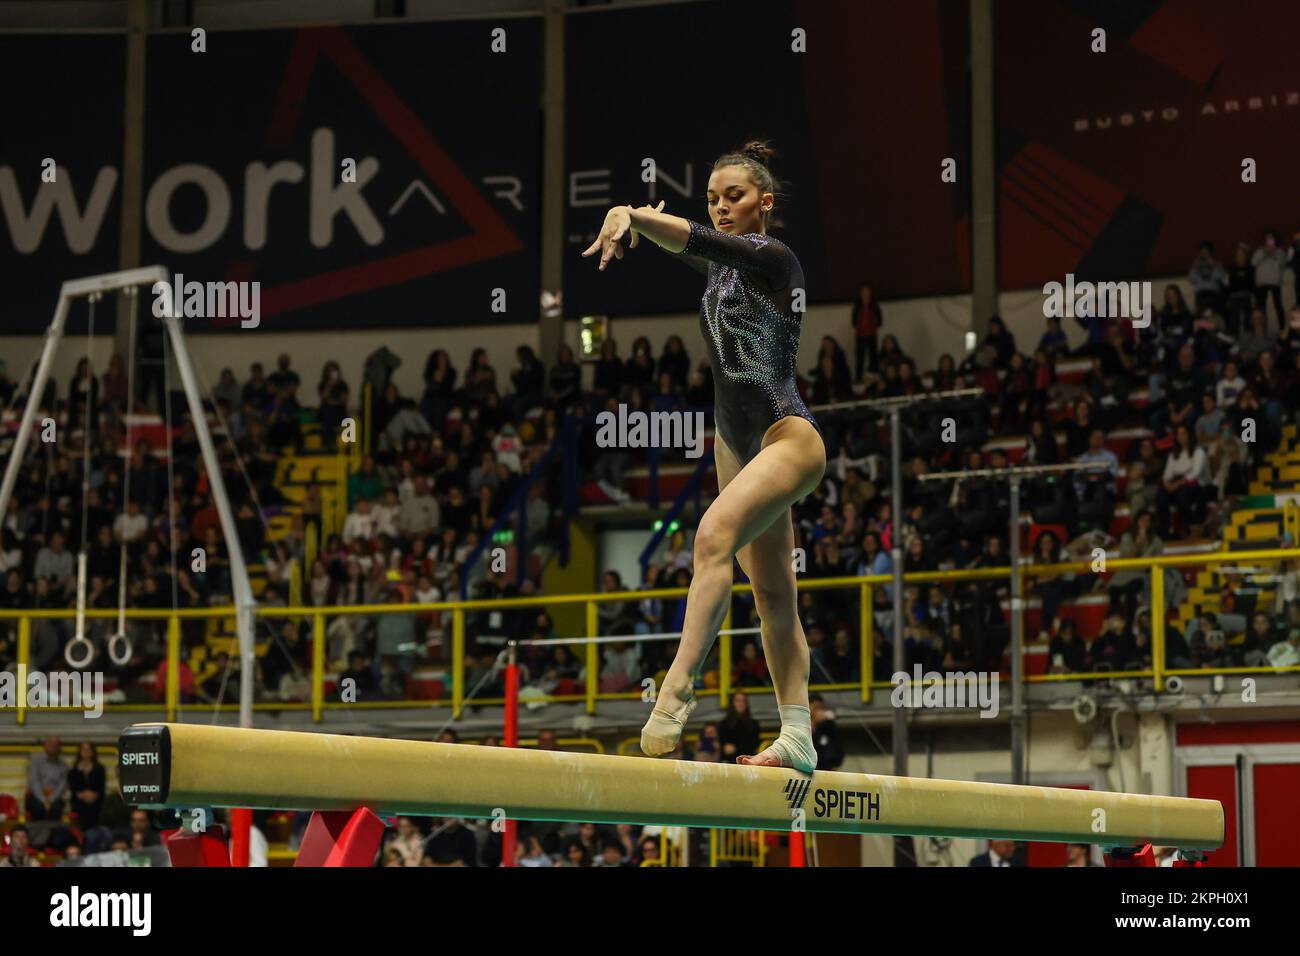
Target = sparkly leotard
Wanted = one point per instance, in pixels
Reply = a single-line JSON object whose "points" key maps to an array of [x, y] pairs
{"points": [[752, 331]]}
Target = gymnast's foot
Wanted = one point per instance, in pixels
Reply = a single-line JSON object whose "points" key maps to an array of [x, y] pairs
{"points": [[667, 721], [793, 748]]}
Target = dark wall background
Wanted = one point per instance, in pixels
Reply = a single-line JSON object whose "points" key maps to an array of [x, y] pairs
{"points": [[861, 123], [1129, 200], [429, 102], [63, 100], [882, 86]]}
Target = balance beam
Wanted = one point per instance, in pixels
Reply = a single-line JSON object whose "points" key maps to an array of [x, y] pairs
{"points": [[186, 766]]}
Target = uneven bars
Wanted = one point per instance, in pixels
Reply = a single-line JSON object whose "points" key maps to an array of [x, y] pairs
{"points": [[187, 766]]}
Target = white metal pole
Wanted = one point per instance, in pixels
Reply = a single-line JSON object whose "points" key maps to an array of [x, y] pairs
{"points": [[53, 335], [245, 604]]}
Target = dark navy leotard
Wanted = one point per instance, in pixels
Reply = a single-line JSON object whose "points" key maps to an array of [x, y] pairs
{"points": [[752, 331]]}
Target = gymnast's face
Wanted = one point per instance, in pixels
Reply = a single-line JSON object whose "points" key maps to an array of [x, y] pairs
{"points": [[735, 204]]}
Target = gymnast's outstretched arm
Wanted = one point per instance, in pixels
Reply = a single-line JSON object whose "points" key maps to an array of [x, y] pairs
{"points": [[670, 232]]}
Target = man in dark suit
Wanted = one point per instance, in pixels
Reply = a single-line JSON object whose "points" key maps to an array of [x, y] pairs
{"points": [[1000, 853]]}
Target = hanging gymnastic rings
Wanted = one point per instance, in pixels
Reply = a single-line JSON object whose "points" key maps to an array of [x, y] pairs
{"points": [[119, 649], [69, 654]]}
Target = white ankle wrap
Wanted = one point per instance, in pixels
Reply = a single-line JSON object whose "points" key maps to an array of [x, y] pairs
{"points": [[795, 744]]}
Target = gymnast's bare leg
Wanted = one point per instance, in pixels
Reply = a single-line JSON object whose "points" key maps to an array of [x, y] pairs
{"points": [[749, 519]]}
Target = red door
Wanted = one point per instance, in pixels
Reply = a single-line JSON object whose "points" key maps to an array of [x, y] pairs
{"points": [[1277, 838], [1219, 782]]}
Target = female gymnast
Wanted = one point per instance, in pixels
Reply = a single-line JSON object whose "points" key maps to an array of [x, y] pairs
{"points": [[768, 450]]}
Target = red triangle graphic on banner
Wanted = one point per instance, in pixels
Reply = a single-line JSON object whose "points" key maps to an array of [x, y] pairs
{"points": [[490, 236]]}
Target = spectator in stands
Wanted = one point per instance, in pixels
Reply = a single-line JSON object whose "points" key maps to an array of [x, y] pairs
{"points": [[226, 390], [640, 369], [367, 483], [607, 380], [256, 390], [1066, 653], [1053, 343], [407, 842], [1186, 384], [1269, 261], [1286, 653], [508, 448], [1210, 421], [825, 734], [738, 731], [890, 353], [385, 513], [439, 388], [1017, 394], [481, 379], [360, 523], [1113, 646], [565, 386], [54, 563], [1001, 340], [751, 669], [620, 668], [86, 786], [1229, 386], [1097, 454], [874, 560], [1252, 650], [1078, 854], [1139, 540], [332, 409], [283, 375], [1183, 482], [453, 844], [612, 854], [1257, 339], [615, 617], [358, 681], [842, 660], [866, 320], [675, 361], [678, 555], [575, 854], [47, 783], [420, 513], [1053, 590], [528, 380], [1241, 290], [1001, 853], [395, 648], [1041, 447], [829, 386], [284, 426], [20, 854], [1208, 644], [1208, 278]]}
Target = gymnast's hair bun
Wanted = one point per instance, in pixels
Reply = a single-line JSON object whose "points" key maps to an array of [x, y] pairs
{"points": [[758, 150]]}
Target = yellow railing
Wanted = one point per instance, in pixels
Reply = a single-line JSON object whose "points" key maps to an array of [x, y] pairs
{"points": [[342, 469], [591, 694], [737, 846]]}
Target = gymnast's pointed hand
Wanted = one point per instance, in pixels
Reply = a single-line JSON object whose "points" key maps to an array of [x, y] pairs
{"points": [[618, 223]]}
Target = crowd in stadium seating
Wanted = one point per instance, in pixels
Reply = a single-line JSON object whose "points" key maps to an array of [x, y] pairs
{"points": [[1161, 410], [1177, 417]]}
